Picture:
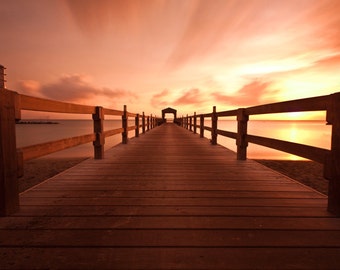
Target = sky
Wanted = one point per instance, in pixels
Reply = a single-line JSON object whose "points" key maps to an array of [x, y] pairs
{"points": [[190, 55]]}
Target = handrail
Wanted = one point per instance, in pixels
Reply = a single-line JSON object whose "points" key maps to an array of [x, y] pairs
{"points": [[11, 164], [329, 158], [39, 104], [98, 113]]}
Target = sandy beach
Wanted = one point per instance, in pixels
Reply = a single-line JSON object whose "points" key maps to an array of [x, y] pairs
{"points": [[38, 170], [307, 172]]}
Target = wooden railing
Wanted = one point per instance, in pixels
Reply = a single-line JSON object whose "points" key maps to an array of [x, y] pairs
{"points": [[329, 158], [12, 158]]}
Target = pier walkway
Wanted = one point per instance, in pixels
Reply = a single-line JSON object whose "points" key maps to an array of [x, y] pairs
{"points": [[170, 200]]}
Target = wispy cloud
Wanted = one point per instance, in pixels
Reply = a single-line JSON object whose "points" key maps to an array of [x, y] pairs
{"points": [[160, 99], [328, 62], [72, 88], [193, 96], [253, 30], [122, 17], [252, 93], [190, 97]]}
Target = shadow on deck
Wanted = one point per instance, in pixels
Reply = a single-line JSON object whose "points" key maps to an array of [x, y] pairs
{"points": [[170, 200]]}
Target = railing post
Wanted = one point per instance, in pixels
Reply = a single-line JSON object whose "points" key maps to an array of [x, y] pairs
{"points": [[2, 77], [187, 122], [137, 125], [151, 122], [148, 123], [143, 123], [214, 120], [125, 126], [98, 129], [190, 123], [9, 187], [202, 126], [195, 123], [242, 123], [332, 166]]}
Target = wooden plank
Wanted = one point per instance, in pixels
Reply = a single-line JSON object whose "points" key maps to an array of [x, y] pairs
{"points": [[299, 105], [131, 128], [40, 104], [169, 258], [52, 193], [98, 129], [228, 134], [310, 152], [170, 186], [227, 113], [107, 111], [177, 201], [332, 168], [42, 149], [155, 210], [9, 188], [111, 132], [134, 221], [170, 238]]}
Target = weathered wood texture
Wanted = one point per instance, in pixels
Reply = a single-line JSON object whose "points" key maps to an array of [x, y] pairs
{"points": [[9, 191], [170, 200]]}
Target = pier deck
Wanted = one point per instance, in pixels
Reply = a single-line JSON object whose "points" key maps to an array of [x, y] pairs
{"points": [[170, 200]]}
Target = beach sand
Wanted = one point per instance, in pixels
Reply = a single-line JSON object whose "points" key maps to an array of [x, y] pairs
{"points": [[38, 170], [307, 172]]}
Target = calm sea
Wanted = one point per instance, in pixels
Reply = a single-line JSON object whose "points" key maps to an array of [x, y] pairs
{"points": [[315, 133]]}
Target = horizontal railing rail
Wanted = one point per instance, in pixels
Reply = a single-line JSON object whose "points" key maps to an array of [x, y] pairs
{"points": [[24, 102], [12, 158], [329, 158]]}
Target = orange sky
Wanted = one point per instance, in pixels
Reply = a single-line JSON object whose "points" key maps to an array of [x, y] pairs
{"points": [[187, 54]]}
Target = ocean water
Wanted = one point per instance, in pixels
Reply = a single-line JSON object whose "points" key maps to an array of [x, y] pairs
{"points": [[315, 133], [30, 134]]}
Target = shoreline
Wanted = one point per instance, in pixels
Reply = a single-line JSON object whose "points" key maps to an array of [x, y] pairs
{"points": [[308, 173]]}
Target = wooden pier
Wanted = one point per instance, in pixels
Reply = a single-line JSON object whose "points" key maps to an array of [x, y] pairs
{"points": [[170, 200]]}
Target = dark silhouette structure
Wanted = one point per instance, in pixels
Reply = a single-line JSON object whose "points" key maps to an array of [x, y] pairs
{"points": [[174, 112], [169, 110]]}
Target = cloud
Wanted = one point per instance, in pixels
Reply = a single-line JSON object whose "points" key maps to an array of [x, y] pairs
{"points": [[30, 87], [190, 97], [251, 29], [220, 24], [119, 16], [250, 94], [160, 99], [72, 88], [328, 62]]}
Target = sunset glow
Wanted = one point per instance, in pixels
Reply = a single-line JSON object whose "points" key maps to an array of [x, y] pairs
{"points": [[186, 54]]}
